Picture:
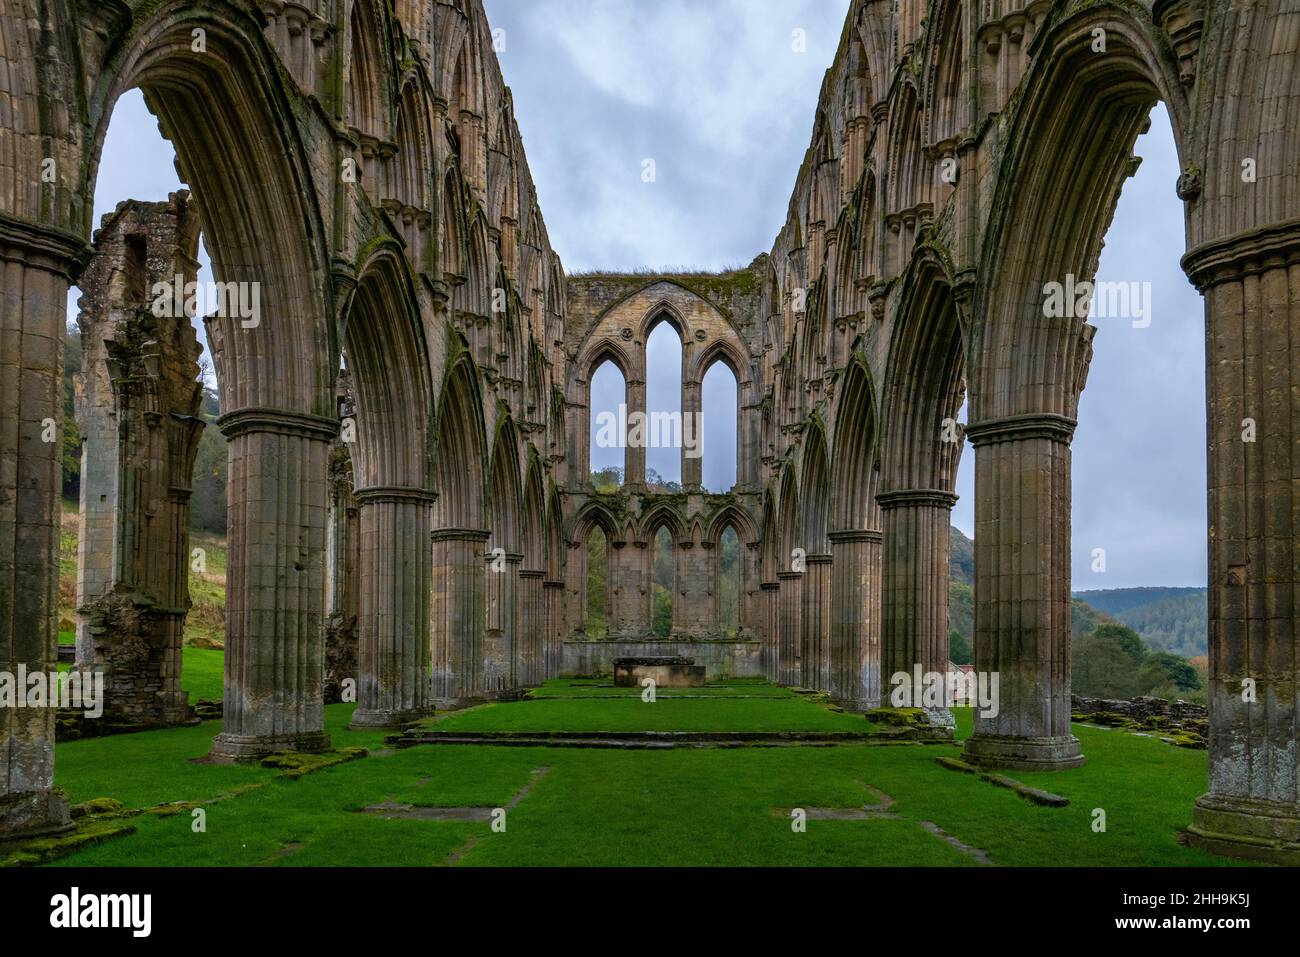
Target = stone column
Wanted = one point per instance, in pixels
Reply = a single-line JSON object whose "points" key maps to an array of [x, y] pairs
{"points": [[393, 624], [855, 618], [1022, 591], [532, 627], [500, 652], [771, 592], [342, 560], [789, 629], [914, 631], [275, 586], [692, 432], [634, 455], [1251, 284], [36, 267], [556, 628], [458, 604], [815, 623]]}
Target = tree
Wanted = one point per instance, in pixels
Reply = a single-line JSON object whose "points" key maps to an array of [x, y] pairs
{"points": [[1163, 668], [959, 648], [1128, 639], [1102, 669]]}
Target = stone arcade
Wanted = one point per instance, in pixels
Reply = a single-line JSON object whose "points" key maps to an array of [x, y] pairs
{"points": [[359, 162]]}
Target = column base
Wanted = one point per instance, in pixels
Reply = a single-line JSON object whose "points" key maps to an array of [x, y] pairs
{"points": [[234, 748], [387, 717], [30, 814], [1024, 754], [1253, 830]]}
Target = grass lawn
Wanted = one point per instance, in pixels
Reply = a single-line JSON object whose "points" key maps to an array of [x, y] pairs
{"points": [[638, 808]]}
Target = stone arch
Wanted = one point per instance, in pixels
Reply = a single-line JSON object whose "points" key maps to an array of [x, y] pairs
{"points": [[814, 483], [460, 450], [946, 57], [388, 368], [1080, 117], [504, 652], [453, 254], [505, 489], [258, 226], [370, 72], [592, 514], [924, 383], [389, 363], [1079, 113], [856, 542], [265, 235]]}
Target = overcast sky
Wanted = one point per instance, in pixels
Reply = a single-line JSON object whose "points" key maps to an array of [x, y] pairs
{"points": [[714, 94]]}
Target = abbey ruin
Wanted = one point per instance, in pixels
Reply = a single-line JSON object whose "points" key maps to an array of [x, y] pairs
{"points": [[420, 523]]}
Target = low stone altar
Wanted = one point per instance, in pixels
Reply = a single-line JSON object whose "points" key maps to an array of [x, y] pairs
{"points": [[668, 671]]}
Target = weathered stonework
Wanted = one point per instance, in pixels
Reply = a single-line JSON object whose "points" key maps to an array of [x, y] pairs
{"points": [[963, 156], [138, 399]]}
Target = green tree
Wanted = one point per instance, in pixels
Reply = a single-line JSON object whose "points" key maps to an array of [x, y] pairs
{"points": [[1128, 639], [1102, 669], [959, 649], [1163, 668]]}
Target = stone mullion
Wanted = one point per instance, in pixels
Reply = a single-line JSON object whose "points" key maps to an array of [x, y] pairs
{"points": [[393, 626], [1252, 291], [458, 619], [856, 618], [692, 414], [915, 586], [634, 455], [1022, 598], [788, 633], [276, 585], [36, 268]]}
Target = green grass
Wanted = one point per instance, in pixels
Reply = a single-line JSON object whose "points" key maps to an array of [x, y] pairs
{"points": [[638, 808]]}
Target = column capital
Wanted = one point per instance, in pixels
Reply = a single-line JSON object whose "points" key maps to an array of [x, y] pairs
{"points": [[1014, 428], [243, 421], [788, 576], [849, 535], [902, 498], [536, 573], [394, 495], [43, 247], [1243, 254], [459, 535]]}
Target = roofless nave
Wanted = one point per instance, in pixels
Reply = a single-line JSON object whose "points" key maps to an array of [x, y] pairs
{"points": [[360, 162]]}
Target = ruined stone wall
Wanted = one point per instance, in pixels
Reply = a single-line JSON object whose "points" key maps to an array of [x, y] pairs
{"points": [[138, 402]]}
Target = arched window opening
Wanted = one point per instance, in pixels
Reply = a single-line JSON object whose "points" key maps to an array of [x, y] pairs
{"points": [[721, 399], [607, 436], [597, 584], [663, 361], [661, 611], [729, 582]]}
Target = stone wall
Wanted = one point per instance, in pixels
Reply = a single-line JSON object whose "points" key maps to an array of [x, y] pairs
{"points": [[721, 659]]}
